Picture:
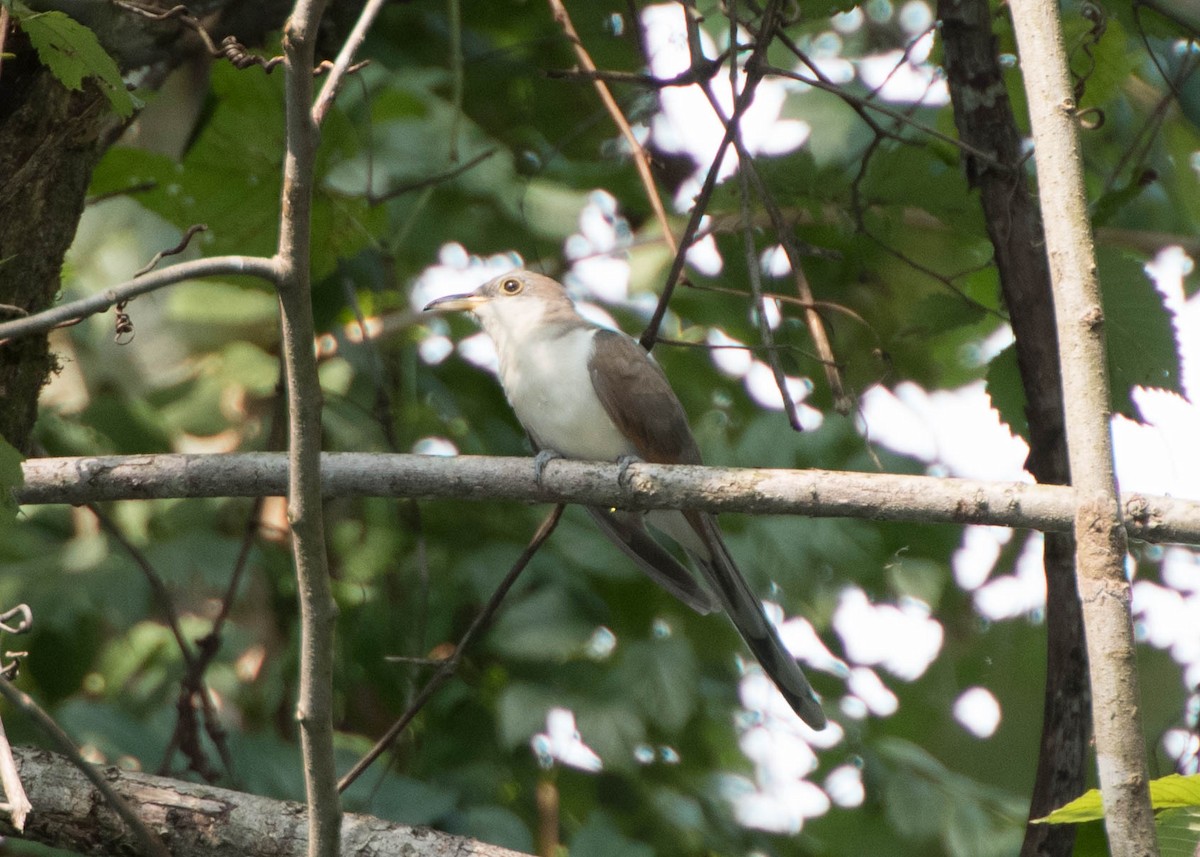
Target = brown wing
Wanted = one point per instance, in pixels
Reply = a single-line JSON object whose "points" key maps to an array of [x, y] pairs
{"points": [[639, 400]]}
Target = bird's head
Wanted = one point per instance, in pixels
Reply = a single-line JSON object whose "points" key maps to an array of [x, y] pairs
{"points": [[516, 300]]}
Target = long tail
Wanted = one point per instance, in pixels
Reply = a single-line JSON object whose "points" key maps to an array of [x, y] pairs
{"points": [[746, 611], [628, 532]]}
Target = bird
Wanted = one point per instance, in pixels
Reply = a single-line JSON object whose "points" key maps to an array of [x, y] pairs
{"points": [[587, 392]]}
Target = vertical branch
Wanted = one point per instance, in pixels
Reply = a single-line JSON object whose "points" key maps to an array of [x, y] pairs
{"points": [[1100, 537], [314, 708], [985, 121], [741, 104], [753, 269], [454, 13]]}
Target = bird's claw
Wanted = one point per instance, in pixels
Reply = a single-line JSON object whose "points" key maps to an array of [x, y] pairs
{"points": [[544, 457], [624, 463]]}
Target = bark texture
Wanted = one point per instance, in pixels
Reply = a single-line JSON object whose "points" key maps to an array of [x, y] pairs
{"points": [[1100, 538], [199, 821], [818, 493], [984, 117], [50, 141], [49, 144]]}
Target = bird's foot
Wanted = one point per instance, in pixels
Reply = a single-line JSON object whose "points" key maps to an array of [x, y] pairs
{"points": [[624, 463], [544, 457]]}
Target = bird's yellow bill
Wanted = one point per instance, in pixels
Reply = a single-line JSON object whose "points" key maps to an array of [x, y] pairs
{"points": [[454, 303]]}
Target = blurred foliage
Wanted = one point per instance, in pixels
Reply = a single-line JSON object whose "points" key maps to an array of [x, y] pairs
{"points": [[897, 251]]}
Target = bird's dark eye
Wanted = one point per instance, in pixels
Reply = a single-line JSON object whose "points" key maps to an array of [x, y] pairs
{"points": [[510, 286]]}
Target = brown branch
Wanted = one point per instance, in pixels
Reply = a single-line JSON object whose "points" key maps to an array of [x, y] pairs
{"points": [[700, 204], [430, 181], [153, 578], [449, 666], [16, 799], [891, 113], [201, 820], [816, 325], [174, 251], [640, 158], [754, 272], [703, 70], [344, 64], [217, 266]]}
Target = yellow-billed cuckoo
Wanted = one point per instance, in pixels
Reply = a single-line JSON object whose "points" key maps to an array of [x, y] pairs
{"points": [[585, 392]]}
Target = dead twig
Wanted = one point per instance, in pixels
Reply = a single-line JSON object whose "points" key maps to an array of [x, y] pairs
{"points": [[450, 665], [640, 158], [174, 251]]}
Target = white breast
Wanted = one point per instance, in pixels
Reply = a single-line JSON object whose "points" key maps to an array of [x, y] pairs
{"points": [[544, 372]]}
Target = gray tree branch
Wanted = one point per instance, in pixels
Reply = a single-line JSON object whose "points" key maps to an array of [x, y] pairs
{"points": [[199, 820], [1100, 538], [818, 493], [217, 266], [984, 117], [314, 706]]}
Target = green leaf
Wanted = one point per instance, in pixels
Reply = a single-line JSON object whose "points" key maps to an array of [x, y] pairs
{"points": [[1142, 350], [542, 626], [71, 52], [660, 677], [1006, 391], [1174, 791], [600, 838], [1141, 337], [1178, 832], [498, 826], [611, 727], [408, 801], [231, 180]]}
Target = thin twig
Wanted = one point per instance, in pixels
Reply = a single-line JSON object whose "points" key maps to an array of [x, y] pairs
{"points": [[816, 325], [700, 205], [450, 665], [891, 113], [192, 689], [754, 273], [345, 58], [217, 266], [180, 12], [174, 251], [753, 269], [147, 838], [16, 802], [429, 181], [128, 190], [454, 13], [153, 578], [842, 401], [3, 32], [640, 158], [704, 70]]}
